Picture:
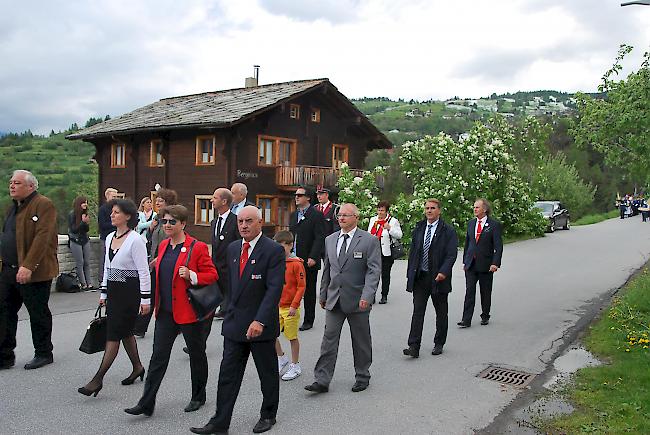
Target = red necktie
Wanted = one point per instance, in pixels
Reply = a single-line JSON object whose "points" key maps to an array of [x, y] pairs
{"points": [[478, 230], [244, 258]]}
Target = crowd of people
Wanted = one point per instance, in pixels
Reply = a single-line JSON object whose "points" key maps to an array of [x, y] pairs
{"points": [[631, 205], [150, 261]]}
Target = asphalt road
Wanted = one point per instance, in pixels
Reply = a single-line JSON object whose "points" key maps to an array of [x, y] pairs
{"points": [[540, 292]]}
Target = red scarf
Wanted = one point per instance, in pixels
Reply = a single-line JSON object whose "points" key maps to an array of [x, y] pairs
{"points": [[378, 227]]}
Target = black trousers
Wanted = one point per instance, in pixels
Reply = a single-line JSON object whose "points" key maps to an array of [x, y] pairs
{"points": [[35, 296], [484, 280], [311, 276], [421, 294], [224, 286], [165, 334], [231, 373], [386, 266], [142, 322]]}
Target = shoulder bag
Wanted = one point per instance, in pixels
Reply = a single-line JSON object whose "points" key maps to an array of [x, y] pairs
{"points": [[95, 339], [396, 248], [204, 299]]}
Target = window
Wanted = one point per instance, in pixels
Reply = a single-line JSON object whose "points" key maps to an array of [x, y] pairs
{"points": [[265, 203], [285, 207], [315, 115], [118, 155], [203, 211], [294, 111], [275, 210], [339, 155], [276, 151], [205, 150], [156, 158]]}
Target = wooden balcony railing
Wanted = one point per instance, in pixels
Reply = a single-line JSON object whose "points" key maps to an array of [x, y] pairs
{"points": [[293, 176]]}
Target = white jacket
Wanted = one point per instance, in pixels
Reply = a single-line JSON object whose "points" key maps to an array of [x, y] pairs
{"points": [[395, 232]]}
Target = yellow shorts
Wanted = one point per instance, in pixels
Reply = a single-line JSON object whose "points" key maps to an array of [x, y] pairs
{"points": [[289, 324]]}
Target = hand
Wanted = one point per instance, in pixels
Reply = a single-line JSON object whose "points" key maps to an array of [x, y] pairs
{"points": [[494, 268], [85, 218], [144, 309], [24, 275], [292, 312], [254, 330], [322, 304], [153, 262], [387, 226], [153, 225], [184, 272], [311, 262], [363, 304], [440, 277]]}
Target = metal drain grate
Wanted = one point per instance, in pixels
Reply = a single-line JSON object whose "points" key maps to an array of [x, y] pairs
{"points": [[507, 376]]}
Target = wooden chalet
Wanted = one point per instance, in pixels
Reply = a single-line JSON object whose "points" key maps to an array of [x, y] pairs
{"points": [[273, 138]]}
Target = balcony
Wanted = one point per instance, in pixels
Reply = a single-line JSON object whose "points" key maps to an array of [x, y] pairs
{"points": [[294, 176]]}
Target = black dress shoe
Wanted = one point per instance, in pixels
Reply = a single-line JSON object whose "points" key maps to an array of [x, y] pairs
{"points": [[186, 350], [317, 388], [208, 429], [358, 386], [6, 365], [139, 410], [437, 350], [194, 405], [463, 324], [383, 300], [38, 362], [412, 351], [220, 315], [139, 334], [306, 326], [485, 321], [263, 425]]}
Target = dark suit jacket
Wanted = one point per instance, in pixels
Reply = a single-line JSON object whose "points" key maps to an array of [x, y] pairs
{"points": [[256, 295], [104, 221], [230, 233], [331, 223], [489, 249], [442, 255], [310, 235]]}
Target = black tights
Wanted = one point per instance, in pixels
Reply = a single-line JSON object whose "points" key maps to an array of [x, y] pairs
{"points": [[112, 347]]}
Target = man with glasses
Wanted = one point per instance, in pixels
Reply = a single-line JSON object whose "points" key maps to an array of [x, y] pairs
{"points": [[434, 247], [347, 291], [307, 225]]}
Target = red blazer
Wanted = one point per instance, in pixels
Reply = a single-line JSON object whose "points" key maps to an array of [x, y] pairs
{"points": [[201, 263]]}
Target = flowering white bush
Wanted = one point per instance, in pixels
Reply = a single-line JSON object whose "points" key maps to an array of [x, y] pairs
{"points": [[360, 191]]}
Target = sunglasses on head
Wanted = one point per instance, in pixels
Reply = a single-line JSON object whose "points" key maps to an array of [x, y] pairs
{"points": [[168, 221]]}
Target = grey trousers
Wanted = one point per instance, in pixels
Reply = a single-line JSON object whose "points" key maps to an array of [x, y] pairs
{"points": [[361, 345], [81, 254]]}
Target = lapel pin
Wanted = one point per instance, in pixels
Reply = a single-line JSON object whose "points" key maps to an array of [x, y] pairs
{"points": [[35, 218], [183, 249], [221, 237], [252, 261]]}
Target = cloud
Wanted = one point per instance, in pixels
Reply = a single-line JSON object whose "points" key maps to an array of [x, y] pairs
{"points": [[334, 11]]}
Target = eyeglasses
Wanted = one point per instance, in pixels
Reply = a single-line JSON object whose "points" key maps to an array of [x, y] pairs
{"points": [[342, 215], [298, 195], [168, 221]]}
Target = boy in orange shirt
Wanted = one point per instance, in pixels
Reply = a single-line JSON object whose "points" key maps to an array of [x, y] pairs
{"points": [[292, 292]]}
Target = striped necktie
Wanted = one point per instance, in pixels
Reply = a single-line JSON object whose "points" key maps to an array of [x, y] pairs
{"points": [[425, 249]]}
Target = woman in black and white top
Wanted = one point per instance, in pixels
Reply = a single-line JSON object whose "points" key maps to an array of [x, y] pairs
{"points": [[126, 291], [384, 227]]}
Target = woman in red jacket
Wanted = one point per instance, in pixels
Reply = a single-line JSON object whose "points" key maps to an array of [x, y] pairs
{"points": [[174, 313]]}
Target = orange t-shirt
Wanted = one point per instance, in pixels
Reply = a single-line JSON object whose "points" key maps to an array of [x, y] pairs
{"points": [[294, 283]]}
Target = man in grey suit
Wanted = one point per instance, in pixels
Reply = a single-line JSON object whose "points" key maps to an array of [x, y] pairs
{"points": [[348, 286]]}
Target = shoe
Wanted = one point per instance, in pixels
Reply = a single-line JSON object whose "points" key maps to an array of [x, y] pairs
{"points": [[194, 405], [383, 300], [317, 388], [437, 350], [358, 386], [306, 326], [283, 361], [463, 324], [220, 315], [139, 334], [139, 410], [88, 392], [263, 425], [293, 372], [38, 362], [412, 351], [186, 350], [4, 365], [485, 321], [208, 429], [131, 379]]}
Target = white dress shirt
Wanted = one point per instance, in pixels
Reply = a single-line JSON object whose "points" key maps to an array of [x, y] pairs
{"points": [[483, 221], [434, 226], [252, 244], [223, 217], [339, 242]]}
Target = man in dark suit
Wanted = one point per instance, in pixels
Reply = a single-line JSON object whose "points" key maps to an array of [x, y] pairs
{"points": [[306, 224], [224, 232], [256, 268], [329, 209], [482, 257], [239, 201], [433, 252]]}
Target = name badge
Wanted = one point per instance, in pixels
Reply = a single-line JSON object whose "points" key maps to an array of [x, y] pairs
{"points": [[358, 254], [256, 276]]}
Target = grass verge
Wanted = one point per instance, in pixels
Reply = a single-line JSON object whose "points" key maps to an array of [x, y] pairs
{"points": [[595, 218], [615, 397]]}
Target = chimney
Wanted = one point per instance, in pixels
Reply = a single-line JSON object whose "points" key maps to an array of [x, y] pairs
{"points": [[252, 82]]}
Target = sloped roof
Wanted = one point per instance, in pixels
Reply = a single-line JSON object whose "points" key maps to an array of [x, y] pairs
{"points": [[210, 109]]}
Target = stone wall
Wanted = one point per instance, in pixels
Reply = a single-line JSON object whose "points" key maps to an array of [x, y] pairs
{"points": [[66, 260]]}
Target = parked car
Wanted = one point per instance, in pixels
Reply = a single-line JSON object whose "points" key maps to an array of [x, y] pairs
{"points": [[556, 213]]}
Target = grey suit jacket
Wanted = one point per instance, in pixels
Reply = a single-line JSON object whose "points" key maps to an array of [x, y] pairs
{"points": [[354, 276]]}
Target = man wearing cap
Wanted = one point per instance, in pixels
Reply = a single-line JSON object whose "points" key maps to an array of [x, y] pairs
{"points": [[329, 209]]}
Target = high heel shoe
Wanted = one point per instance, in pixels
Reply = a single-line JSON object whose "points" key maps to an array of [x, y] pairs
{"points": [[88, 392], [138, 410], [131, 379]]}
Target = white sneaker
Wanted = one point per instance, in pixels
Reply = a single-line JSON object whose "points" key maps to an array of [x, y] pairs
{"points": [[293, 372], [282, 362]]}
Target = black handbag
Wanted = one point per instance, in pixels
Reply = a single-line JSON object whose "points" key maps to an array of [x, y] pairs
{"points": [[396, 248], [204, 299], [67, 283], [95, 339]]}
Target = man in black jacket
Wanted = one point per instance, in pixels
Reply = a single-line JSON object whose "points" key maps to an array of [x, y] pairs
{"points": [[306, 224], [434, 248], [482, 257], [105, 227]]}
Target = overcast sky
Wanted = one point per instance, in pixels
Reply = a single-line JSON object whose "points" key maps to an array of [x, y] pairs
{"points": [[62, 62]]}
